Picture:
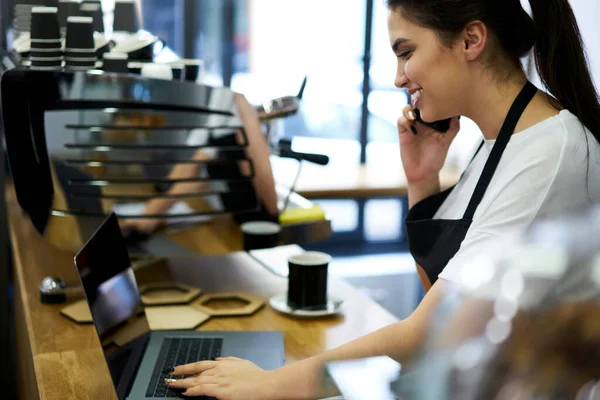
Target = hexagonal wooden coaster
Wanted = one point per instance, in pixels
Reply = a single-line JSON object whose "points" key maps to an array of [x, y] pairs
{"points": [[168, 293], [174, 317], [251, 305], [78, 312]]}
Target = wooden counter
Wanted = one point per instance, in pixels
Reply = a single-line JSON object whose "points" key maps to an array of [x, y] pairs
{"points": [[353, 181], [59, 359]]}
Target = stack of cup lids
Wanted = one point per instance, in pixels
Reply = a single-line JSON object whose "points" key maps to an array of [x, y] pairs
{"points": [[46, 45], [22, 17], [80, 51]]}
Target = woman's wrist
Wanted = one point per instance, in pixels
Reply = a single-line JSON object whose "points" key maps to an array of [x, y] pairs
{"points": [[299, 380], [419, 190]]}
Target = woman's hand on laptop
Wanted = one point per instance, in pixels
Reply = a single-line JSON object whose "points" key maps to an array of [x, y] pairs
{"points": [[227, 378]]}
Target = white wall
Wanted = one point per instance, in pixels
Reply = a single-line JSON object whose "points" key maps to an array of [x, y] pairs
{"points": [[587, 13]]}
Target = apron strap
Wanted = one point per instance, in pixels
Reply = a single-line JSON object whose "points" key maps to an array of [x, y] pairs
{"points": [[508, 128], [472, 158]]}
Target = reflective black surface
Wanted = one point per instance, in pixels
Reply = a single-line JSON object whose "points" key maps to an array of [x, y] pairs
{"points": [[80, 144]]}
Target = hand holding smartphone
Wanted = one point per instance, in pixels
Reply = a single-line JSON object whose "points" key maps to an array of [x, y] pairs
{"points": [[440, 126]]}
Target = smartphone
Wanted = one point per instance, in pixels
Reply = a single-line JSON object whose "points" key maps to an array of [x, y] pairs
{"points": [[440, 126]]}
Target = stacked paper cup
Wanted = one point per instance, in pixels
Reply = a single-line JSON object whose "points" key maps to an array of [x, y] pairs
{"points": [[115, 62], [80, 51], [94, 10], [66, 9], [22, 15], [126, 16], [46, 45]]}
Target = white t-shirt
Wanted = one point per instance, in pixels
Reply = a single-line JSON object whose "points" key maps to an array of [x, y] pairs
{"points": [[544, 171]]}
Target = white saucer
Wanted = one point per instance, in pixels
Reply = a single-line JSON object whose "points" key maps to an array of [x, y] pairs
{"points": [[279, 303]]}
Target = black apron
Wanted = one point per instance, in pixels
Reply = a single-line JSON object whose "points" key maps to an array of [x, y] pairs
{"points": [[433, 242]]}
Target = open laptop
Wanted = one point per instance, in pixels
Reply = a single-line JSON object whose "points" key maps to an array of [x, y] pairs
{"points": [[137, 366]]}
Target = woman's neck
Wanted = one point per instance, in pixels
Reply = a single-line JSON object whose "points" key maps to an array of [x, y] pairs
{"points": [[488, 104]]}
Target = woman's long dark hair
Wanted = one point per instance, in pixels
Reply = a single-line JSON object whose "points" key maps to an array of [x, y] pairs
{"points": [[553, 33]]}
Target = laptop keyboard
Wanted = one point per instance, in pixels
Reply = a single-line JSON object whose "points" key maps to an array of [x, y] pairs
{"points": [[179, 351]]}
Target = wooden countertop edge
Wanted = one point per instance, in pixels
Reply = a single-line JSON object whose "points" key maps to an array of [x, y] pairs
{"points": [[358, 192], [18, 271]]}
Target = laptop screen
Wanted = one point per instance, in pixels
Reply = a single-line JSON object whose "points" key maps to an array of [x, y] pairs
{"points": [[111, 291]]}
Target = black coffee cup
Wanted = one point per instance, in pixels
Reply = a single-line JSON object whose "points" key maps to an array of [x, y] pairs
{"points": [[45, 53], [135, 67], [193, 68], [80, 62], [178, 72], [307, 281], [115, 62], [50, 60], [66, 9], [50, 44], [46, 64], [80, 33], [260, 234], [80, 53], [126, 17], [44, 23], [94, 11]]}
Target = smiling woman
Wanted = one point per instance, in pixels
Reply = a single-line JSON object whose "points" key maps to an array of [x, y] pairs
{"points": [[462, 57]]}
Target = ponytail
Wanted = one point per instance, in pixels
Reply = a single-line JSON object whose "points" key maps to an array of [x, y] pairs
{"points": [[561, 61]]}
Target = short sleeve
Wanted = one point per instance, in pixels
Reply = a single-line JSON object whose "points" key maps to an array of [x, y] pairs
{"points": [[511, 204]]}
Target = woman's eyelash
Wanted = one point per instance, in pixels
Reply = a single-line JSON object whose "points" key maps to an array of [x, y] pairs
{"points": [[404, 54]]}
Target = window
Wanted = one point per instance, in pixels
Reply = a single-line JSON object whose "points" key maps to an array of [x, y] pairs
{"points": [[290, 39]]}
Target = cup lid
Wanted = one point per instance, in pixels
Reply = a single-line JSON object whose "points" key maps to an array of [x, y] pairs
{"points": [[260, 228], [189, 61], [45, 58], [310, 258], [44, 10], [90, 7], [36, 40], [56, 50], [115, 56], [80, 20], [40, 68], [81, 59]]}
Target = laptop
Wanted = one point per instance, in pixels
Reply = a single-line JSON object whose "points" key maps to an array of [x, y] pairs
{"points": [[136, 365]]}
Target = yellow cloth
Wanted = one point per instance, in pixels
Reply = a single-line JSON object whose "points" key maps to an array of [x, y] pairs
{"points": [[296, 215]]}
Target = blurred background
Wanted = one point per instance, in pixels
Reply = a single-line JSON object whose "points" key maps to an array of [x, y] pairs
{"points": [[264, 49]]}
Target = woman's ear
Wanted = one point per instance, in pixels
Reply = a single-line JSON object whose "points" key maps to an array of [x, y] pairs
{"points": [[474, 38]]}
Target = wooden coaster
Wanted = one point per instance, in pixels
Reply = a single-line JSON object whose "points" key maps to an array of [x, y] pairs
{"points": [[78, 312], [175, 317], [251, 304], [168, 293]]}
